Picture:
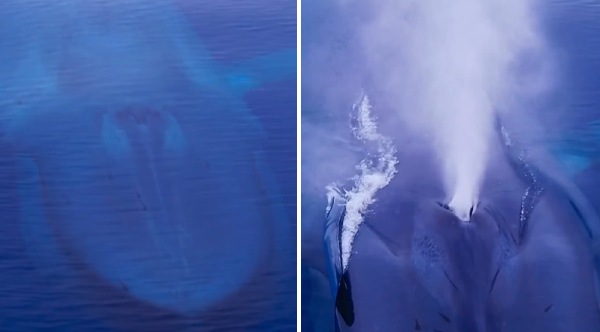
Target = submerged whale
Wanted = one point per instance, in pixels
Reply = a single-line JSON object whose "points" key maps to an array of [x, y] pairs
{"points": [[135, 167], [527, 259]]}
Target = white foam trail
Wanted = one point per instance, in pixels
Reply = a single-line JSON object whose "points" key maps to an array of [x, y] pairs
{"points": [[374, 173]]}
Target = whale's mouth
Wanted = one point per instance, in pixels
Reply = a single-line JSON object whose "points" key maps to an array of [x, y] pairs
{"points": [[153, 213]]}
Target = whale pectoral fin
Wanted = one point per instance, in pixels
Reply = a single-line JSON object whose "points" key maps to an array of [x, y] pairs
{"points": [[586, 176], [584, 195], [588, 181], [574, 174], [273, 67]]}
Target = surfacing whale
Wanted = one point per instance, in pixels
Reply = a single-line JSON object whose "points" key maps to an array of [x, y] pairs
{"points": [[526, 260], [137, 170]]}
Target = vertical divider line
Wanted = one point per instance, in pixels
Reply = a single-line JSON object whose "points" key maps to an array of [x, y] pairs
{"points": [[298, 164]]}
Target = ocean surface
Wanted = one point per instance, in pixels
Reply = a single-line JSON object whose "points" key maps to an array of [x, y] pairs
{"points": [[148, 166], [570, 114]]}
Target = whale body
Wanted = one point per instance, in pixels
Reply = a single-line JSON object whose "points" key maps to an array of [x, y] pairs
{"points": [[526, 260], [136, 168]]}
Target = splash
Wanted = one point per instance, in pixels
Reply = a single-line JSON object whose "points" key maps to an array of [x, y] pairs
{"points": [[446, 67], [375, 172]]}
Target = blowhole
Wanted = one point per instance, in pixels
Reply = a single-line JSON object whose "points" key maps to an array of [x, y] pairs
{"points": [[464, 214], [444, 206]]}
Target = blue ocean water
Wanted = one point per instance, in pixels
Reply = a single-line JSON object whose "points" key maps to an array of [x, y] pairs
{"points": [[571, 29], [148, 166]]}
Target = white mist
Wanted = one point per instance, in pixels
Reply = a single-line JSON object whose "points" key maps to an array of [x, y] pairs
{"points": [[448, 66]]}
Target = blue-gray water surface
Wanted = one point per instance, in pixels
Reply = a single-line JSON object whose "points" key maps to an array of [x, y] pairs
{"points": [[148, 165], [572, 30]]}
